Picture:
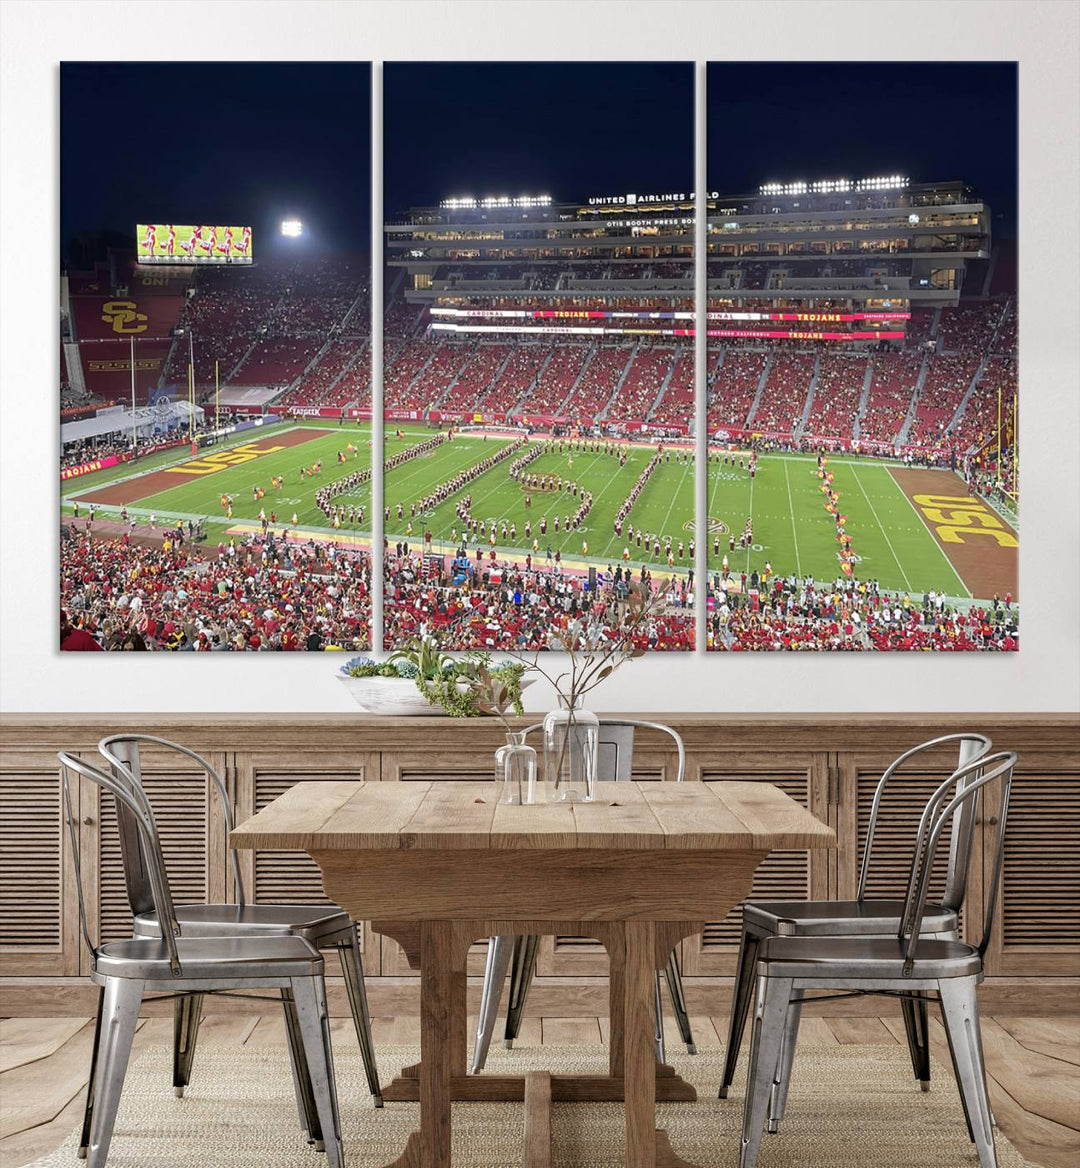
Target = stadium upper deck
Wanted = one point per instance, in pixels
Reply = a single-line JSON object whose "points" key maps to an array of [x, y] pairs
{"points": [[832, 243], [477, 250], [863, 242]]}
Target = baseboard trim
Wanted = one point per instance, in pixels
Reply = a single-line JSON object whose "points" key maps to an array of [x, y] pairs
{"points": [[565, 997]]}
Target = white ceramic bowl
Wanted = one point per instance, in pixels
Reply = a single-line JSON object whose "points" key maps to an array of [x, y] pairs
{"points": [[388, 695], [395, 696]]}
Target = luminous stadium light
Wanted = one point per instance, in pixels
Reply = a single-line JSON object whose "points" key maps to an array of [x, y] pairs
{"points": [[889, 182], [292, 228], [469, 203], [791, 188], [829, 186]]}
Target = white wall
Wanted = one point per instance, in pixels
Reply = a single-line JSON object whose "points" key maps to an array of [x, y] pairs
{"points": [[1045, 675]]}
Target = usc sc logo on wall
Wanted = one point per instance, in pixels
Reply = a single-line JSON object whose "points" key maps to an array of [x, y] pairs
{"points": [[122, 315]]}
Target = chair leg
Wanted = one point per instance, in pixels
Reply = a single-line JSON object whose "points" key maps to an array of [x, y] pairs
{"points": [[500, 950], [779, 1093], [918, 1037], [309, 994], [770, 1018], [658, 1010], [673, 975], [960, 1008], [88, 1109], [522, 968], [119, 1017], [187, 1014], [305, 1099], [353, 969], [982, 1059], [956, 1074], [740, 1007]]}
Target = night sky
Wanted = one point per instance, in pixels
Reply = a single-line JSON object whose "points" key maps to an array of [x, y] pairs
{"points": [[256, 142], [218, 143], [783, 121], [568, 130]]}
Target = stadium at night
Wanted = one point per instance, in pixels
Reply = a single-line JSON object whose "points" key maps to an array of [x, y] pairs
{"points": [[539, 410]]}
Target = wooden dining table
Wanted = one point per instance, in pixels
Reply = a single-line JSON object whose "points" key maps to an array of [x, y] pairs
{"points": [[440, 865]]}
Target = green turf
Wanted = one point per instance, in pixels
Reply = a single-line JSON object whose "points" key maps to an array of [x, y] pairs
{"points": [[792, 530], [202, 496], [664, 507]]}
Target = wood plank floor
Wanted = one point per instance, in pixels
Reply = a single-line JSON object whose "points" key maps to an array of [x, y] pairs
{"points": [[1034, 1067]]}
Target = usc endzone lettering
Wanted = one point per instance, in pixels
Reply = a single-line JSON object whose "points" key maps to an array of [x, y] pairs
{"points": [[955, 516], [223, 459]]}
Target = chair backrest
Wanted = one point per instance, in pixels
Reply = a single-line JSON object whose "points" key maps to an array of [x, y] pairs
{"points": [[121, 752], [615, 747], [961, 793], [130, 796], [971, 747]]}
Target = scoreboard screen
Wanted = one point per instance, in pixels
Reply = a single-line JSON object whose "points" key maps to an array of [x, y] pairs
{"points": [[173, 243]]}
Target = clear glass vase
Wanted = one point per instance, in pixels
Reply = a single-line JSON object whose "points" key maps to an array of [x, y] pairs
{"points": [[515, 770], [571, 739]]}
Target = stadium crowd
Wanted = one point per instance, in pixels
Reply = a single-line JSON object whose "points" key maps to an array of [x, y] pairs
{"points": [[76, 453], [776, 613], [259, 595], [496, 605]]}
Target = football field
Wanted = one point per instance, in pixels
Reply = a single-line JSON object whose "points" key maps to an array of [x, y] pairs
{"points": [[893, 539], [794, 533], [665, 506]]}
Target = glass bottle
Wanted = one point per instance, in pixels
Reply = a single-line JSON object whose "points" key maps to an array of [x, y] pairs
{"points": [[515, 770], [571, 740]]}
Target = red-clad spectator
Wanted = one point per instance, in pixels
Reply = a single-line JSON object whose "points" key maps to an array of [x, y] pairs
{"points": [[74, 640]]}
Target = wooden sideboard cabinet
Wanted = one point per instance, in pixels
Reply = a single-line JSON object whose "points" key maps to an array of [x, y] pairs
{"points": [[828, 763]]}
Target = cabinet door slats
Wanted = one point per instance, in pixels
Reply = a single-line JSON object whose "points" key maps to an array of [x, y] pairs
{"points": [[31, 862], [1041, 875]]}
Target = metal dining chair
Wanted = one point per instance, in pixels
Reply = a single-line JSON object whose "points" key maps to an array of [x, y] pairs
{"points": [[323, 926], [615, 756], [863, 916], [170, 964], [909, 963]]}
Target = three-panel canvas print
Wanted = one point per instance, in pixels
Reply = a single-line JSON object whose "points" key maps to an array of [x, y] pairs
{"points": [[525, 319]]}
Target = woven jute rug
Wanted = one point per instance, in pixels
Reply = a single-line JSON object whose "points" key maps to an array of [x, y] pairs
{"points": [[849, 1106]]}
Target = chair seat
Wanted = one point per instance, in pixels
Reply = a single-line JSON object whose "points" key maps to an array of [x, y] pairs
{"points": [[873, 958], [211, 957], [313, 922], [839, 918]]}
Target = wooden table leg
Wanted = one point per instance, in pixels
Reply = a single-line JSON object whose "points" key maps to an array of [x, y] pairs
{"points": [[639, 1055], [646, 948], [442, 1042], [440, 948], [537, 1149]]}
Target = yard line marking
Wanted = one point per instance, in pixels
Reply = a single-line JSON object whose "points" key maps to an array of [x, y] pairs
{"points": [[791, 513], [614, 539], [881, 528], [446, 469], [674, 497], [750, 505]]}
